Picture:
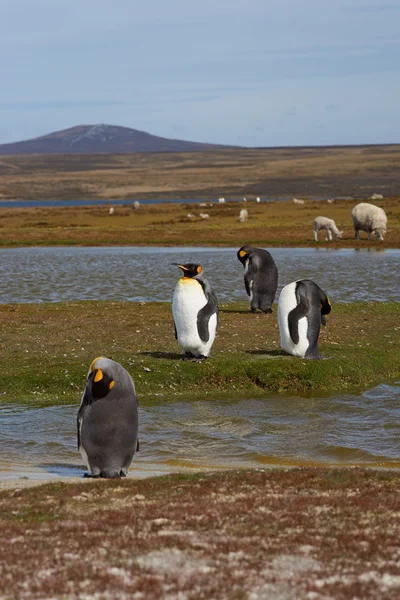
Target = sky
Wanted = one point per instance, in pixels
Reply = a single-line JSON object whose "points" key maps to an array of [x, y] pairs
{"points": [[243, 72]]}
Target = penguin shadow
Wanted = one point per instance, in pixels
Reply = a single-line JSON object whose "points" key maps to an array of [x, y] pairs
{"points": [[168, 355], [272, 353], [64, 469], [235, 312]]}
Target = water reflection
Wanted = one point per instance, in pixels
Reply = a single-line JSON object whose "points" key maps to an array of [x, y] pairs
{"points": [[146, 274], [361, 429]]}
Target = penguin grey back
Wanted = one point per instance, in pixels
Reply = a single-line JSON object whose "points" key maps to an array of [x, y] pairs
{"points": [[107, 423], [260, 277]]}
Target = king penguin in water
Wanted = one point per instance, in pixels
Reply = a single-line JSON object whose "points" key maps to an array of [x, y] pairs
{"points": [[195, 311], [302, 308], [108, 420], [260, 277]]}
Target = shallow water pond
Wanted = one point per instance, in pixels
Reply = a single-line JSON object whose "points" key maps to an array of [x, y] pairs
{"points": [[351, 429], [146, 274]]}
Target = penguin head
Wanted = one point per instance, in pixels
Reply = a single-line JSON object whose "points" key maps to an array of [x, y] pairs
{"points": [[100, 378], [191, 270], [243, 254]]}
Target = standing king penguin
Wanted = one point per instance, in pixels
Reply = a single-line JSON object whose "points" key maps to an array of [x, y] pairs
{"points": [[195, 311], [260, 277], [302, 308], [108, 420]]}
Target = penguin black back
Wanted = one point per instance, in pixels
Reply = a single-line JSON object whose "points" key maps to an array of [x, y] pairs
{"points": [[260, 277], [301, 311]]}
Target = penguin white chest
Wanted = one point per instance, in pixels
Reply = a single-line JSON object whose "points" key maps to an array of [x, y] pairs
{"points": [[187, 301], [288, 302]]}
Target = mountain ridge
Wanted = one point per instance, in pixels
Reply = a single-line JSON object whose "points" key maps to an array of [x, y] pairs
{"points": [[103, 139]]}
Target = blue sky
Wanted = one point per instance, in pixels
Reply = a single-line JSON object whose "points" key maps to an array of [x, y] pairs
{"points": [[247, 72]]}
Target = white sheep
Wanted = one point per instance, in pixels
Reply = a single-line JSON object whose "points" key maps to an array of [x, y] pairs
{"points": [[258, 199], [329, 226], [330, 200], [221, 200], [369, 218], [376, 196], [136, 205], [298, 201], [111, 210], [204, 216], [243, 215]]}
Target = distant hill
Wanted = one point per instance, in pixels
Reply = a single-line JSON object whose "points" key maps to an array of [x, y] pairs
{"points": [[101, 139]]}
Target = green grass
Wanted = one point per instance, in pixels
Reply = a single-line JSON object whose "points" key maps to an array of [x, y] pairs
{"points": [[47, 348]]}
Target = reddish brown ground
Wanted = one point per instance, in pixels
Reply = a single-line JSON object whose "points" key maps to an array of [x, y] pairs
{"points": [[282, 534]]}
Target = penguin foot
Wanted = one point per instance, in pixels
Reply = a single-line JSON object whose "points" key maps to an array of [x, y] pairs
{"points": [[187, 356], [198, 358], [110, 475], [267, 310]]}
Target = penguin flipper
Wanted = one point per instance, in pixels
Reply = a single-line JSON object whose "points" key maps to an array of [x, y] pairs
{"points": [[176, 333], [85, 403], [204, 315], [247, 280], [294, 317]]}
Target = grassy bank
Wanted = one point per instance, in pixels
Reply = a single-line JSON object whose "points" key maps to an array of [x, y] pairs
{"points": [[46, 350], [270, 224], [297, 534]]}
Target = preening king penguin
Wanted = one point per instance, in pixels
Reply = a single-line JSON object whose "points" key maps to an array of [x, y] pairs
{"points": [[260, 277], [302, 308], [195, 311], [108, 420]]}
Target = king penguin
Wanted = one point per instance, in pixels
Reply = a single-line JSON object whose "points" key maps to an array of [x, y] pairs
{"points": [[108, 420], [195, 311], [260, 277], [302, 308]]}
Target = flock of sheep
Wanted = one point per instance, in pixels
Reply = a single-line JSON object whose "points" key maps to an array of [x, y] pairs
{"points": [[366, 217]]}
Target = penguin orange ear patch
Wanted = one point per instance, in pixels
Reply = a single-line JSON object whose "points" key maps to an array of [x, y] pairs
{"points": [[112, 383], [242, 253], [98, 376], [199, 269]]}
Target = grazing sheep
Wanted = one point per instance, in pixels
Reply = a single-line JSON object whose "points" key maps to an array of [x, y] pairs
{"points": [[111, 210], [369, 218], [376, 197], [329, 226], [221, 200], [204, 216], [298, 201], [243, 215], [135, 205], [258, 199], [244, 199], [190, 216], [330, 200]]}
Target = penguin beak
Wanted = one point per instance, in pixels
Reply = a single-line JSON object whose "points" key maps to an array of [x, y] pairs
{"points": [[180, 266]]}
